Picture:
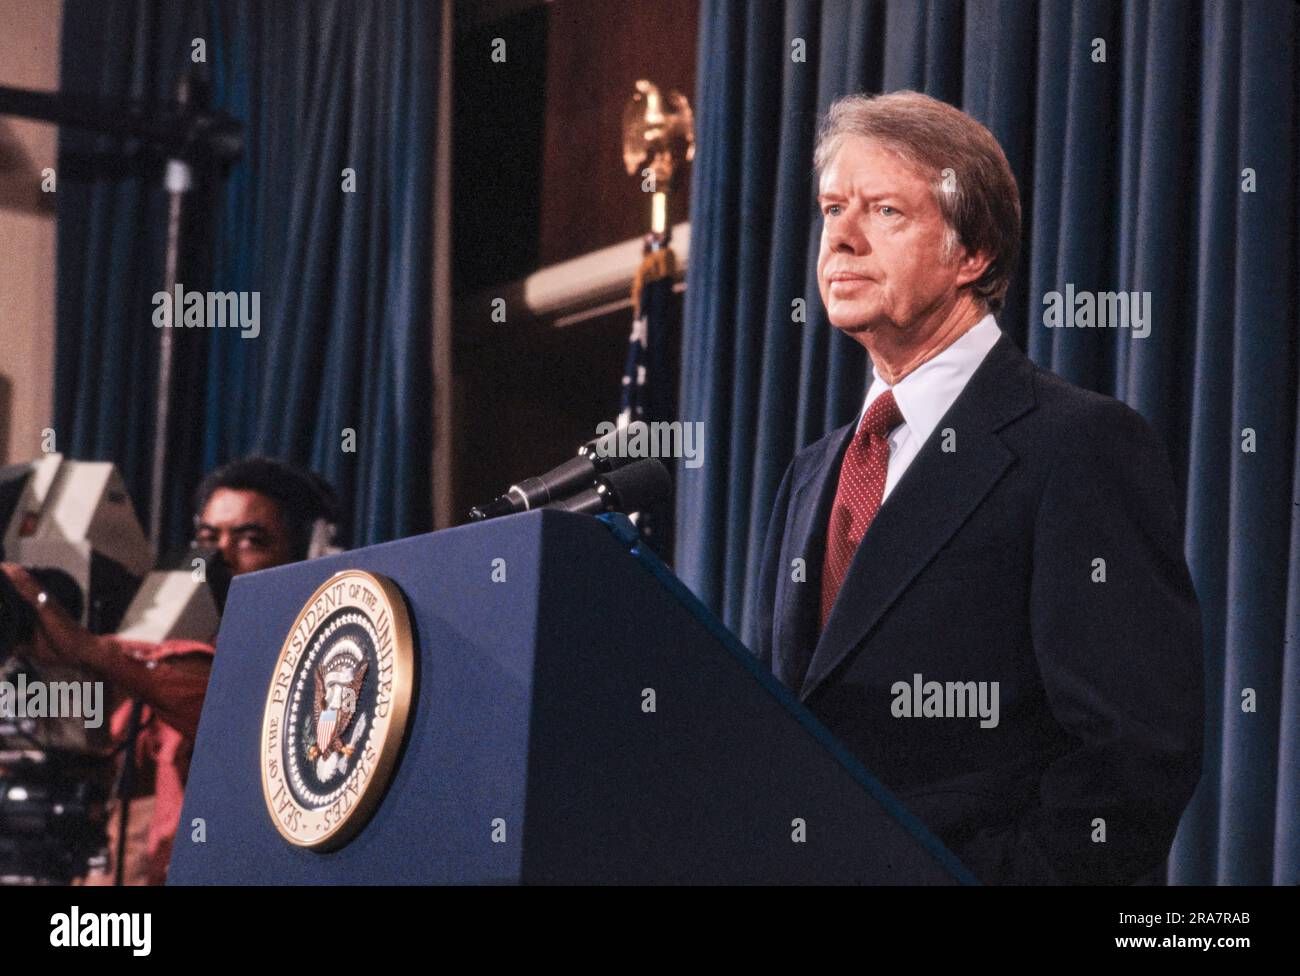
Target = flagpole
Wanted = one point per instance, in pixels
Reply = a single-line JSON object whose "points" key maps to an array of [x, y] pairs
{"points": [[658, 143]]}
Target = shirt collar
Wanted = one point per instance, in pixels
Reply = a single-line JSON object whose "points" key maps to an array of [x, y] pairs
{"points": [[925, 394]]}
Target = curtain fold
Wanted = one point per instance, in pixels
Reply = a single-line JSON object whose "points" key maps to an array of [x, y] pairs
{"points": [[1132, 173], [339, 378]]}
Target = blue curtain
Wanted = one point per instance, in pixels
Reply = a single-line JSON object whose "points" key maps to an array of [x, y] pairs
{"points": [[1133, 176], [339, 378]]}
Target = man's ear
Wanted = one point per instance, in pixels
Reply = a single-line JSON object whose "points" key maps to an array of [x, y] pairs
{"points": [[971, 266]]}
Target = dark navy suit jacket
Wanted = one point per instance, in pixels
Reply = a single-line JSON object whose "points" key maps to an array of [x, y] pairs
{"points": [[980, 567]]}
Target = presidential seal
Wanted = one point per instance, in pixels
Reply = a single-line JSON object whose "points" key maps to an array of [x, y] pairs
{"points": [[337, 709]]}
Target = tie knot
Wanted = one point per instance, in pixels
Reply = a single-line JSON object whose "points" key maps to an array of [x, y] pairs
{"points": [[882, 416]]}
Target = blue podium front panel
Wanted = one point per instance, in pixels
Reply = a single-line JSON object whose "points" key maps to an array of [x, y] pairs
{"points": [[466, 751]]}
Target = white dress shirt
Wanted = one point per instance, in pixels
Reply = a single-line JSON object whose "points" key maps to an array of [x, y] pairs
{"points": [[925, 394]]}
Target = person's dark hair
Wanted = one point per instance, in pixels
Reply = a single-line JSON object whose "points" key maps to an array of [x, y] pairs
{"points": [[301, 496]]}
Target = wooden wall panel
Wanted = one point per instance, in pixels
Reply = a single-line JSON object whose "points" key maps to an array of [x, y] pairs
{"points": [[538, 178]]}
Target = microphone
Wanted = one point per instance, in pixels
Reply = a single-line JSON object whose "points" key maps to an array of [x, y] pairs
{"points": [[596, 457], [575, 473], [603, 450], [629, 488]]}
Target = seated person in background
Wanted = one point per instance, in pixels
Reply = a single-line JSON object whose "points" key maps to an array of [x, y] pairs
{"points": [[259, 512]]}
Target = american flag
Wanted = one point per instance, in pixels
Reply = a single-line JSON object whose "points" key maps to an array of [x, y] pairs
{"points": [[650, 370], [652, 292]]}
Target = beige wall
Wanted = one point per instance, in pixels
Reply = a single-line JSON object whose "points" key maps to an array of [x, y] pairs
{"points": [[29, 58]]}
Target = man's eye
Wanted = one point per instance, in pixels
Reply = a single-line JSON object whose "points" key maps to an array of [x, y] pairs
{"points": [[888, 211], [252, 542], [832, 210]]}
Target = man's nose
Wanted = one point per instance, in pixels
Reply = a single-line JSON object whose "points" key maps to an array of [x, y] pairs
{"points": [[226, 543], [846, 236]]}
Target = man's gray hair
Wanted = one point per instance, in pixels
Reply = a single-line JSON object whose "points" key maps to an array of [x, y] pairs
{"points": [[968, 171]]}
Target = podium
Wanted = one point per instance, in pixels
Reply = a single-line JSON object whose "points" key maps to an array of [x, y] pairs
{"points": [[577, 716]]}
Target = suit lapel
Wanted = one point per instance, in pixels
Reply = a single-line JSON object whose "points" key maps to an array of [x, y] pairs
{"points": [[935, 496], [799, 604]]}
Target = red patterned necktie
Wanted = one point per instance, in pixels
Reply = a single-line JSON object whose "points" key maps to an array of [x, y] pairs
{"points": [[858, 497]]}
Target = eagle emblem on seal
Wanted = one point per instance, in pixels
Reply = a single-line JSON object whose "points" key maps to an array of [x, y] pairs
{"points": [[338, 679]]}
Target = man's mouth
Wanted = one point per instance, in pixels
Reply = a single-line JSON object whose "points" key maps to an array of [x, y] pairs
{"points": [[848, 282]]}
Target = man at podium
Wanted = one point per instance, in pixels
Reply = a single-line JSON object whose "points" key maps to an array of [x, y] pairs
{"points": [[997, 616]]}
